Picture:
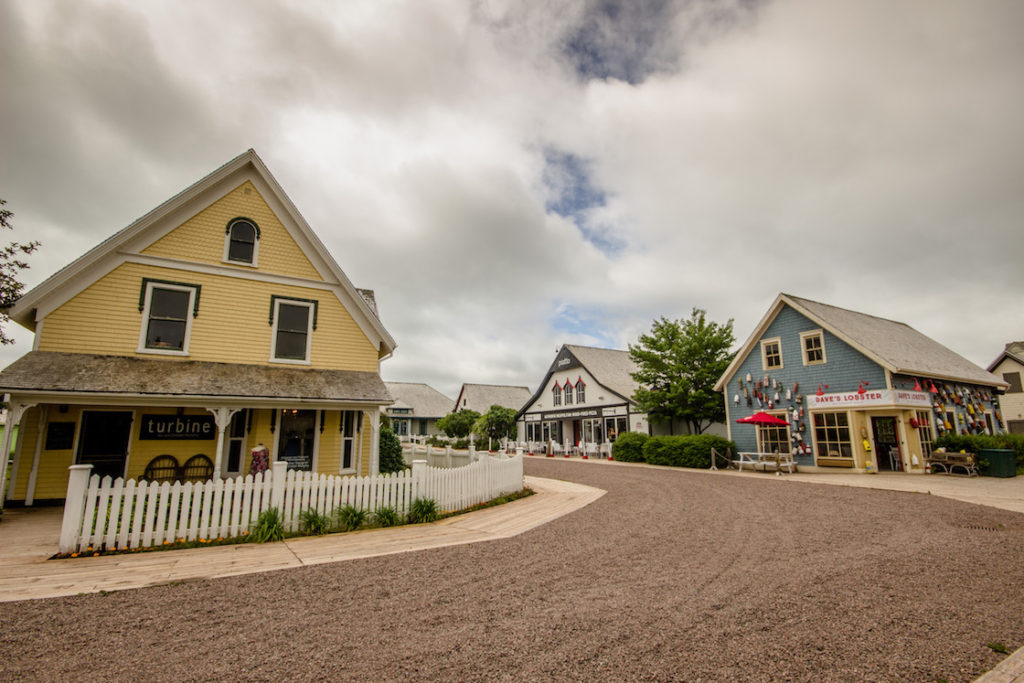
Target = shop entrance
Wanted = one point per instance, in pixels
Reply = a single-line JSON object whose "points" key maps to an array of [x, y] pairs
{"points": [[297, 439], [103, 442], [887, 444]]}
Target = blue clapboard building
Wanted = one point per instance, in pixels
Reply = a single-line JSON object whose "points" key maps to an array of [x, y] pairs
{"points": [[856, 391]]}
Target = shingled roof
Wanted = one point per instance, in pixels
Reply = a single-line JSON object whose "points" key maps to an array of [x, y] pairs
{"points": [[480, 397], [424, 400], [610, 367], [84, 373]]}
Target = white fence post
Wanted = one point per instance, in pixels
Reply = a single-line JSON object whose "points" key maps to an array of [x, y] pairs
{"points": [[278, 472], [419, 479], [74, 505]]}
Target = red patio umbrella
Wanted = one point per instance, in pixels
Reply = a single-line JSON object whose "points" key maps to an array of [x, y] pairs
{"points": [[762, 419]]}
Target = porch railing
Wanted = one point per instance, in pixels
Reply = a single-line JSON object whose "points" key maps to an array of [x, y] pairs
{"points": [[102, 513]]}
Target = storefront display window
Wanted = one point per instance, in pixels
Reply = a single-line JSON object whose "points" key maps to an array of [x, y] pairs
{"points": [[832, 434], [773, 438]]}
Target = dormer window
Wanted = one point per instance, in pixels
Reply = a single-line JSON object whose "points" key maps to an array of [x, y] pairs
{"points": [[241, 242]]}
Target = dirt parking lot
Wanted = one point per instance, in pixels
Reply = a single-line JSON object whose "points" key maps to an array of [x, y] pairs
{"points": [[670, 576]]}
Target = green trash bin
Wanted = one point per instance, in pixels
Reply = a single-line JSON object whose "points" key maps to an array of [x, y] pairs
{"points": [[1002, 462]]}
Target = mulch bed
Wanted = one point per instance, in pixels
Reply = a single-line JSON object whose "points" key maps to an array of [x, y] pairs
{"points": [[670, 576]]}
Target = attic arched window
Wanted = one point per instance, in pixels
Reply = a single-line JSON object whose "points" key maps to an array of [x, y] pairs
{"points": [[241, 241], [556, 395], [581, 391], [568, 393]]}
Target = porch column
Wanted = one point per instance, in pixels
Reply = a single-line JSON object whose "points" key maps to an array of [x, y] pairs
{"points": [[222, 416], [375, 441], [30, 491], [15, 411]]}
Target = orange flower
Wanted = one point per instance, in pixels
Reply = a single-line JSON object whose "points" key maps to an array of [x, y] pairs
{"points": [[220, 538], [74, 554], [95, 554]]}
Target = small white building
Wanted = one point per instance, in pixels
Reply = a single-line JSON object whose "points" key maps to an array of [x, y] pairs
{"points": [[1010, 366], [585, 396]]}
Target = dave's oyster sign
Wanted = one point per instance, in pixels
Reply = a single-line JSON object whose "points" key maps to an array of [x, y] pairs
{"points": [[177, 427]]}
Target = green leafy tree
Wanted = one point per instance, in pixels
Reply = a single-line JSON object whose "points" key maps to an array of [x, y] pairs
{"points": [[390, 452], [497, 423], [458, 425], [11, 266], [678, 364]]}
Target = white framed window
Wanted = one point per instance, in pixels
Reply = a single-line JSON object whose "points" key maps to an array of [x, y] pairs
{"points": [[771, 354], [812, 344], [581, 391], [167, 311], [556, 395], [349, 425], [567, 392], [293, 322], [241, 242]]}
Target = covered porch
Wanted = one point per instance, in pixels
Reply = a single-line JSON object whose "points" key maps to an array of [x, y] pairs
{"points": [[174, 420]]}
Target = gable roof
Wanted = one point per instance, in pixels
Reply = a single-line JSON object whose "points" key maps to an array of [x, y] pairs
{"points": [[1014, 351], [131, 240], [611, 368], [423, 399], [895, 346], [480, 397]]}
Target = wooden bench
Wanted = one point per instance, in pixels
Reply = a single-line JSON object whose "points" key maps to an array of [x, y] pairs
{"points": [[763, 461], [949, 462]]}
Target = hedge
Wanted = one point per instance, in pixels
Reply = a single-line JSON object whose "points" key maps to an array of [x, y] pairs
{"points": [[692, 450], [973, 443], [629, 447]]}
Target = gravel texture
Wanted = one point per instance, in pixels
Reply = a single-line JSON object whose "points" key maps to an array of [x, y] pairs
{"points": [[670, 576]]}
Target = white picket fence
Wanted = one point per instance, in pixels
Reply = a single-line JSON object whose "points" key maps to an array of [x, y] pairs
{"points": [[118, 514]]}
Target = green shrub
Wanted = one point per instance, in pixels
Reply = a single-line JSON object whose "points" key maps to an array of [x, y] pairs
{"points": [[629, 447], [690, 450], [312, 522], [974, 443], [268, 527], [387, 516], [422, 510], [349, 517], [391, 459]]}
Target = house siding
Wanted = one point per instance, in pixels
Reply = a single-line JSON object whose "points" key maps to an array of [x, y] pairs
{"points": [[231, 326], [201, 238]]}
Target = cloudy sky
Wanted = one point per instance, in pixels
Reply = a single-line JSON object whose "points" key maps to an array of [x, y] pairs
{"points": [[511, 176]]}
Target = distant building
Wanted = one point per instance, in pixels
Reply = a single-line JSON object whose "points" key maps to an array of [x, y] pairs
{"points": [[480, 397], [416, 409], [586, 395], [855, 391], [1010, 366]]}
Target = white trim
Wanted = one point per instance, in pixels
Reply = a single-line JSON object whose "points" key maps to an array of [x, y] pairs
{"points": [[764, 355], [37, 333], [309, 331], [346, 437], [144, 326], [804, 336], [255, 262]]}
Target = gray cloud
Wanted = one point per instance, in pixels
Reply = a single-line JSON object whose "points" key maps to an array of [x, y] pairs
{"points": [[862, 153]]}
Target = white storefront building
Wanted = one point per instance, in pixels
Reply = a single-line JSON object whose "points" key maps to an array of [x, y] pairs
{"points": [[583, 403]]}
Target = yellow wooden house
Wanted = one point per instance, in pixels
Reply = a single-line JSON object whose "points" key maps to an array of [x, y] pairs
{"points": [[213, 331]]}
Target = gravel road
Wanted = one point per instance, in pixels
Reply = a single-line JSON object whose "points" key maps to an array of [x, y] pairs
{"points": [[670, 576]]}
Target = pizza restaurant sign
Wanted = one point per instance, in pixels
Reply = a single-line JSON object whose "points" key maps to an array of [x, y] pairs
{"points": [[869, 399]]}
